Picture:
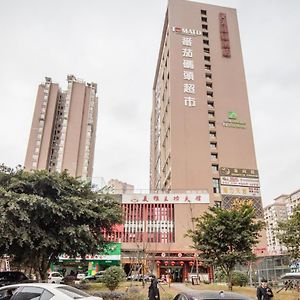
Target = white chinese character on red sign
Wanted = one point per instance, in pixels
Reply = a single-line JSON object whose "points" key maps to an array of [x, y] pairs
{"points": [[187, 52], [189, 88], [188, 75], [188, 64], [187, 41], [189, 101]]}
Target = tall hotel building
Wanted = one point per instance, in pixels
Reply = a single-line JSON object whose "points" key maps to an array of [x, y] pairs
{"points": [[202, 149], [201, 132], [63, 129]]}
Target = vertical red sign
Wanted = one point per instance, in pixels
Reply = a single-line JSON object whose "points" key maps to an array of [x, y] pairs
{"points": [[224, 36]]}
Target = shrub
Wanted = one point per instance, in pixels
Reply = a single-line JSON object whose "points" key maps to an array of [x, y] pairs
{"points": [[112, 277], [239, 278]]}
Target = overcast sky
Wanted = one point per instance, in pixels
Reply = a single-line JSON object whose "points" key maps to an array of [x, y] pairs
{"points": [[115, 43]]}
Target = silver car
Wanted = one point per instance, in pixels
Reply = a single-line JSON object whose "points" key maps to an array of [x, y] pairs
{"points": [[43, 291]]}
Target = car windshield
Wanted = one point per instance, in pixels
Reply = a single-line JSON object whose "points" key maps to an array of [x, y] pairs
{"points": [[72, 292]]}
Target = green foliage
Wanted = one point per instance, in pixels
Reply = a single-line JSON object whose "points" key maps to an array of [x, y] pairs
{"points": [[226, 237], [112, 277], [289, 234], [47, 214], [239, 279]]}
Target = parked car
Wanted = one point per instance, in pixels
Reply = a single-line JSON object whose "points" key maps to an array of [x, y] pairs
{"points": [[138, 277], [55, 277], [11, 277], [209, 295], [81, 276], [98, 276], [45, 291]]}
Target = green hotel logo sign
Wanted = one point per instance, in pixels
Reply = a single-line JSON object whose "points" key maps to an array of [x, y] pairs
{"points": [[232, 115], [233, 121]]}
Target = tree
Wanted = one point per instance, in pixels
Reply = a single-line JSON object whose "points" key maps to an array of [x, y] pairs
{"points": [[44, 215], [226, 237], [113, 276], [289, 234]]}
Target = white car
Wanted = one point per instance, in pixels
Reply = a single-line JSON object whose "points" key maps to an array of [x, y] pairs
{"points": [[45, 291], [80, 276], [55, 277]]}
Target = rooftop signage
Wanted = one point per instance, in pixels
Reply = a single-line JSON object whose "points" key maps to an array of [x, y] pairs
{"points": [[200, 198], [186, 31]]}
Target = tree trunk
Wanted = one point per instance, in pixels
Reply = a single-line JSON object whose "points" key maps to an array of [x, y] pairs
{"points": [[229, 280], [43, 268]]}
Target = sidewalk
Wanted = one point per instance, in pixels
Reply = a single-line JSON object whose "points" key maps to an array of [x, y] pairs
{"points": [[181, 287]]}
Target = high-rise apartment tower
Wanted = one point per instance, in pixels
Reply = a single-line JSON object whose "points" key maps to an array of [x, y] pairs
{"points": [[201, 132], [63, 129]]}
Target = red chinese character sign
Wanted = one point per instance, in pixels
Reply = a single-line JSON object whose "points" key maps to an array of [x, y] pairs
{"points": [[224, 36]]}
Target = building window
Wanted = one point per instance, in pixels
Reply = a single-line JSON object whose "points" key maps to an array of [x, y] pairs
{"points": [[203, 19], [209, 93], [209, 84], [211, 124], [207, 67], [214, 156], [212, 134], [206, 50], [207, 58], [217, 203], [208, 75], [216, 185], [203, 12], [211, 103], [211, 114], [205, 34], [213, 145], [206, 42], [205, 27], [215, 168]]}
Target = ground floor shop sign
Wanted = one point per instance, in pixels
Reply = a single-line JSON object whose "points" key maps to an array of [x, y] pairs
{"points": [[109, 256]]}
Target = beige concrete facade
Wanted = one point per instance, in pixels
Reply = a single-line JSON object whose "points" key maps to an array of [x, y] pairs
{"points": [[200, 122], [63, 129], [273, 214], [119, 187]]}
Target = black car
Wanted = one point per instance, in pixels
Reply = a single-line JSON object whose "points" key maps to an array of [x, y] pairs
{"points": [[12, 277], [210, 295]]}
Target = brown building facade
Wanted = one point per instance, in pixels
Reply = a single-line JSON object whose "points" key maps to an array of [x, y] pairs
{"points": [[63, 129], [201, 132]]}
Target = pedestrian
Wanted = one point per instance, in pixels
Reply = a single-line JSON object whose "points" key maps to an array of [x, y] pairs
{"points": [[263, 292], [153, 293]]}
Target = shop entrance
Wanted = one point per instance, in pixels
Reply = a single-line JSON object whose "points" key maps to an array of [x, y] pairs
{"points": [[175, 273]]}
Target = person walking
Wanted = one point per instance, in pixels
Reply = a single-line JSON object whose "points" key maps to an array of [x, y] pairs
{"points": [[153, 293], [263, 292]]}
